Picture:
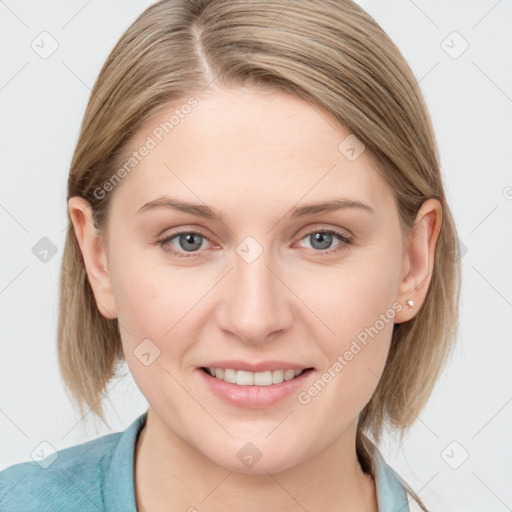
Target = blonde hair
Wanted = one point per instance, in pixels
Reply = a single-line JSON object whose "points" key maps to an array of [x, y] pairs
{"points": [[332, 54]]}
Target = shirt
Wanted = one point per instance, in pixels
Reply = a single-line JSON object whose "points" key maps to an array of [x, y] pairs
{"points": [[98, 476]]}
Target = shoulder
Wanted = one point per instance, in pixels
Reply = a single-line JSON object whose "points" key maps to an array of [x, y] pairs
{"points": [[63, 480], [432, 500]]}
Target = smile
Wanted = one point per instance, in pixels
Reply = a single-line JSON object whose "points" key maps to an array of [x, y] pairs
{"points": [[246, 378]]}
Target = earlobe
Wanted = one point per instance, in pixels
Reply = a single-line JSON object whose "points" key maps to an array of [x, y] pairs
{"points": [[93, 254], [418, 261]]}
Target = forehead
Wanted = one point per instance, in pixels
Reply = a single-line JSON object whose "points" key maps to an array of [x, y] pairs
{"points": [[250, 147]]}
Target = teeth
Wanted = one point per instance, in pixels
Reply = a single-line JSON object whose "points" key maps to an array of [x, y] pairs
{"points": [[230, 376], [262, 378], [244, 378]]}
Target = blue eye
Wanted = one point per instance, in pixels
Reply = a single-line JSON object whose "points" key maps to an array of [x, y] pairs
{"points": [[324, 238], [187, 240], [191, 242]]}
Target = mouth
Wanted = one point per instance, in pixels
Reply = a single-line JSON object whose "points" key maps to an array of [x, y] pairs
{"points": [[254, 384], [248, 378]]}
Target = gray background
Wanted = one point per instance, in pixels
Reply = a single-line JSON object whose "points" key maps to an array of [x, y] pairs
{"points": [[470, 99]]}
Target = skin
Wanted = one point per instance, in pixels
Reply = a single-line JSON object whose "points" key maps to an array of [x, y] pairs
{"points": [[254, 155]]}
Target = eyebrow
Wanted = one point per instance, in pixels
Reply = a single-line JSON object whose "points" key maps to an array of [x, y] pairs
{"points": [[208, 212]]}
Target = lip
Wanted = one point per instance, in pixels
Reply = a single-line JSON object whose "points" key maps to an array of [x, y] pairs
{"points": [[262, 366], [255, 397]]}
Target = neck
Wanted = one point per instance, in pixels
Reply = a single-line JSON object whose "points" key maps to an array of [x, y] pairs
{"points": [[171, 475]]}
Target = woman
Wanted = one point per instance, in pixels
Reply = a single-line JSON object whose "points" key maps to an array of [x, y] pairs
{"points": [[258, 227]]}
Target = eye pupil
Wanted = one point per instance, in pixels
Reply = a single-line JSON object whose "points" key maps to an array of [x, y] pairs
{"points": [[189, 239], [325, 240]]}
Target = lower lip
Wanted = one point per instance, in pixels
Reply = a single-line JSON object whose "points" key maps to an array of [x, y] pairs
{"points": [[254, 397]]}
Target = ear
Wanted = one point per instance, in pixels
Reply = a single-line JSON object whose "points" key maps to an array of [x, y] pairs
{"points": [[418, 259], [93, 252]]}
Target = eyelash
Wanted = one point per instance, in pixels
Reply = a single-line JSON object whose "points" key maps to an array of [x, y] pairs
{"points": [[342, 236]]}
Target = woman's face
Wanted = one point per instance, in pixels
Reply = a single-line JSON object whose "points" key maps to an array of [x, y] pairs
{"points": [[264, 284]]}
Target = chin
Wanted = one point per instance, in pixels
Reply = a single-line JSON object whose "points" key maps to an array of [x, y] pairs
{"points": [[248, 459], [261, 467]]}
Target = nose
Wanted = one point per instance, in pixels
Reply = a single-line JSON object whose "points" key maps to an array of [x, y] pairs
{"points": [[257, 303]]}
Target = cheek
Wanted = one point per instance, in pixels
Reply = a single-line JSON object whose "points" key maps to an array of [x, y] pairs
{"points": [[353, 295], [150, 303], [151, 295], [156, 319], [164, 304], [358, 305], [353, 358]]}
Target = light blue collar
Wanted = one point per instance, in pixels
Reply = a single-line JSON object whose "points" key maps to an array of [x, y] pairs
{"points": [[117, 476], [391, 495]]}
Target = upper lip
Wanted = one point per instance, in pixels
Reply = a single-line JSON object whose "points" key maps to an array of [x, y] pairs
{"points": [[256, 367]]}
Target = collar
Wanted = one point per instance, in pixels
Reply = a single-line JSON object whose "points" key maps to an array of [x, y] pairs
{"points": [[391, 494], [118, 489]]}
